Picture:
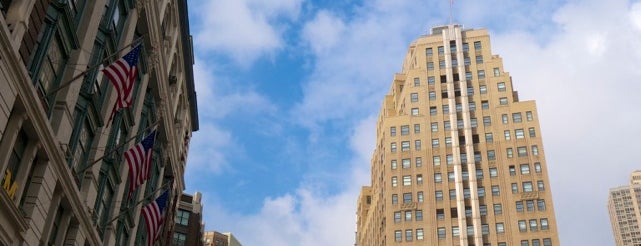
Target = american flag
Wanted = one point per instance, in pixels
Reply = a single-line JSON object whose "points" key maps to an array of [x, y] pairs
{"points": [[153, 214], [122, 74], [138, 159]]}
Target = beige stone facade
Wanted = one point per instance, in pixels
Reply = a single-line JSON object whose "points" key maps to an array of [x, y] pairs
{"points": [[624, 205], [459, 159], [64, 178]]}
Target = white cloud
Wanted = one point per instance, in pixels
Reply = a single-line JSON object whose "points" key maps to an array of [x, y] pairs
{"points": [[243, 29], [323, 32]]}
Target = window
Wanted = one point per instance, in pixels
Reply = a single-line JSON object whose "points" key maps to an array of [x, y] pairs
{"points": [[481, 74], [544, 225], [525, 168], [485, 229], [535, 150], [430, 66], [435, 143], [495, 190], [479, 174], [428, 52], [503, 101], [407, 198], [432, 95], [441, 50], [452, 194], [440, 232], [398, 235], [515, 188], [393, 164], [431, 80], [446, 125], [493, 172], [408, 215], [501, 86], [405, 146], [496, 72], [466, 193], [472, 105], [397, 217], [417, 82], [536, 242], [470, 91], [438, 178], [487, 121], [547, 241], [504, 118], [479, 60], [439, 195], [525, 243], [509, 152], [468, 76], [506, 133], [477, 45], [446, 108], [474, 123], [528, 115], [419, 161], [537, 167], [393, 147], [512, 170], [459, 107], [441, 64], [394, 181], [500, 228], [414, 97], [394, 199], [182, 217], [436, 160], [541, 204], [522, 226], [448, 141], [470, 230], [519, 133], [392, 131], [434, 126], [491, 155], [419, 196], [433, 111], [419, 215], [407, 180], [483, 210], [417, 128], [489, 138], [179, 239], [530, 205], [455, 231], [440, 214], [522, 151], [498, 209], [516, 117], [483, 89], [481, 191], [405, 130], [414, 111], [540, 185], [527, 186], [450, 176], [532, 132], [485, 105], [477, 158], [419, 234], [449, 159]]}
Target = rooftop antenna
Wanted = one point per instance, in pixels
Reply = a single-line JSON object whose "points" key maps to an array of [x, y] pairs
{"points": [[451, 3]]}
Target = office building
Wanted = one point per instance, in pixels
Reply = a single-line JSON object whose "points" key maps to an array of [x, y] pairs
{"points": [[65, 180], [189, 227], [459, 158], [624, 205], [214, 238]]}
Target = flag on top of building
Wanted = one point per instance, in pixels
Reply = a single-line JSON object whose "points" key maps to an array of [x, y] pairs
{"points": [[154, 214], [138, 159]]}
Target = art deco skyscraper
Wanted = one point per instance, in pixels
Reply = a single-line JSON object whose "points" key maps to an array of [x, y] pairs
{"points": [[624, 205], [459, 159]]}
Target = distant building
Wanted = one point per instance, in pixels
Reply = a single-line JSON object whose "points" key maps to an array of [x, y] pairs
{"points": [[624, 205], [189, 227], [459, 158], [214, 238]]}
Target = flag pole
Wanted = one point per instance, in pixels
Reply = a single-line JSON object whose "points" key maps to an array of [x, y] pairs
{"points": [[451, 2], [62, 86], [153, 193], [117, 147]]}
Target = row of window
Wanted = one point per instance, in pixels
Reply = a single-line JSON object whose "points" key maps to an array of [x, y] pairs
{"points": [[406, 163], [409, 235], [485, 230], [441, 49]]}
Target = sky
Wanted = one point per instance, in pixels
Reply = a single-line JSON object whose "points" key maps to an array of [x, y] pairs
{"points": [[289, 92]]}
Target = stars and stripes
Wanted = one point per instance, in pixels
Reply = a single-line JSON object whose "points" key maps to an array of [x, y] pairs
{"points": [[122, 74], [153, 213], [138, 159]]}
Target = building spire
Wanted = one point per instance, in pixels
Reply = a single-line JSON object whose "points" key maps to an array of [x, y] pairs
{"points": [[451, 10]]}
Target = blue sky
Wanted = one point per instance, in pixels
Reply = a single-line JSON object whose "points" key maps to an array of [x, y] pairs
{"points": [[289, 91]]}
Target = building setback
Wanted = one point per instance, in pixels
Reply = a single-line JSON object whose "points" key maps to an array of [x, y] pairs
{"points": [[189, 221], [624, 205], [64, 177], [214, 238], [459, 159]]}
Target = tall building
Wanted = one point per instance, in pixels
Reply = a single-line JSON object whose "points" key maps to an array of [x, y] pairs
{"points": [[624, 205], [65, 179], [214, 238], [459, 159], [189, 227]]}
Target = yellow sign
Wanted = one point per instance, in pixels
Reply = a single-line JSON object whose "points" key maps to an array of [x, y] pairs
{"points": [[8, 186]]}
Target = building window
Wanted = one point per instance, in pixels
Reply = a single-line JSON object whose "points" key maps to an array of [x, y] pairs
{"points": [[483, 89], [182, 217], [428, 52], [515, 188], [540, 185], [446, 125], [498, 209], [419, 215], [419, 162], [487, 121], [393, 164], [455, 231], [394, 199], [414, 111], [419, 234], [503, 101], [509, 152], [446, 108], [491, 155], [419, 196], [483, 210], [477, 45], [472, 105], [414, 97], [522, 151], [536, 242], [525, 243], [537, 167], [394, 181], [466, 61], [481, 74], [449, 159], [441, 64], [516, 117], [405, 130], [179, 239], [532, 132], [495, 190], [501, 86], [438, 178], [512, 170], [393, 147], [485, 104], [431, 80], [448, 141], [407, 163], [496, 72], [398, 235], [439, 195], [525, 168], [407, 180], [522, 226], [489, 138], [528, 115], [530, 205], [440, 232], [441, 50], [450, 176], [430, 66], [504, 118], [493, 172], [541, 204], [519, 206], [481, 191], [544, 225], [435, 143], [405, 146], [535, 150], [468, 76], [436, 160], [527, 186], [520, 134], [500, 228], [397, 217], [408, 215], [452, 195], [407, 197], [434, 126], [506, 133], [417, 82], [417, 128], [479, 60]]}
